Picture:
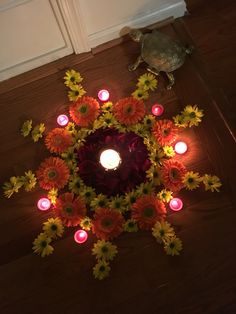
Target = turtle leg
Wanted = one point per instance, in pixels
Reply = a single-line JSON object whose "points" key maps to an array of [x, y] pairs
{"points": [[153, 71], [171, 80], [133, 67], [189, 50]]}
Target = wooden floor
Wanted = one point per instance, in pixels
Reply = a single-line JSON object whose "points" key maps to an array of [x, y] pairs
{"points": [[143, 278], [213, 28]]}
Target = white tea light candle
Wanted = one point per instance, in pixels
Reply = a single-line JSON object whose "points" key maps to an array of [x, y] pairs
{"points": [[110, 159]]}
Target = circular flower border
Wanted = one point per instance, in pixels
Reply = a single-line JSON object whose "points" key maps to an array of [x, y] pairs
{"points": [[145, 207]]}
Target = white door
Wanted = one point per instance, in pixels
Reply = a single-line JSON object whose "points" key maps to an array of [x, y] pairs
{"points": [[32, 33]]}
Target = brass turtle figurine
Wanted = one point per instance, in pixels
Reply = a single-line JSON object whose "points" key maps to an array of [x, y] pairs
{"points": [[160, 52]]}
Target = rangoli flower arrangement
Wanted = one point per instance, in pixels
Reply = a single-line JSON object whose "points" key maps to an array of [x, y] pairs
{"points": [[112, 170]]}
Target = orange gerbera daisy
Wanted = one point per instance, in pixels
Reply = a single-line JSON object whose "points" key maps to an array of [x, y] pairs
{"points": [[52, 173], [147, 210], [172, 174], [84, 111], [70, 210], [107, 223], [58, 140], [129, 110], [164, 131]]}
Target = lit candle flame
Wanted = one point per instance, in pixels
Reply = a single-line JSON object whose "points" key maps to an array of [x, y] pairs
{"points": [[181, 148], [110, 159]]}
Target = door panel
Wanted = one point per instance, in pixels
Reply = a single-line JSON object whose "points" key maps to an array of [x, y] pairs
{"points": [[32, 33]]}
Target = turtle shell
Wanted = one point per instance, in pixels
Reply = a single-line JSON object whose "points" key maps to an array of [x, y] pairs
{"points": [[161, 52]]}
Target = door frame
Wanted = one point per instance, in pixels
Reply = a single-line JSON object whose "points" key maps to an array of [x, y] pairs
{"points": [[76, 28]]}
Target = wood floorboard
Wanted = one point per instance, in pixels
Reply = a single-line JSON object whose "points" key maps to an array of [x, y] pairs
{"points": [[213, 29], [143, 279]]}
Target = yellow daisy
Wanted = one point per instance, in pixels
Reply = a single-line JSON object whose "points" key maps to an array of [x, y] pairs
{"points": [[79, 143], [75, 185], [101, 270], [100, 201], [69, 155], [52, 195], [71, 127], [162, 231], [154, 175], [73, 169], [118, 203], [86, 223], [140, 94], [104, 250], [130, 198], [29, 180], [37, 132], [165, 195], [97, 124], [53, 227], [77, 139], [41, 245], [130, 226], [87, 193], [107, 120], [83, 133], [137, 128], [148, 121], [72, 78], [180, 121], [76, 91], [70, 158], [26, 128], [211, 183], [147, 81], [12, 186], [107, 106], [156, 156], [145, 188], [121, 128], [173, 246], [193, 115], [72, 165], [151, 143], [169, 151], [80, 137], [191, 180]]}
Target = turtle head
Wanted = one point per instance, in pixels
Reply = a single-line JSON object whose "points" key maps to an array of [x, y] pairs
{"points": [[136, 35]]}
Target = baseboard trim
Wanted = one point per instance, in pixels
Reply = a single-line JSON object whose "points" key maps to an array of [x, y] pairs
{"points": [[126, 37], [175, 10]]}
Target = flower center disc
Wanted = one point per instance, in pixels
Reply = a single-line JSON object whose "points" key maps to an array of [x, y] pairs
{"points": [[130, 173]]}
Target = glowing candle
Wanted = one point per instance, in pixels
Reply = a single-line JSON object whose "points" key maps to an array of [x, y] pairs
{"points": [[103, 95], [110, 159], [181, 148], [62, 119], [44, 203], [157, 110], [176, 204], [80, 236]]}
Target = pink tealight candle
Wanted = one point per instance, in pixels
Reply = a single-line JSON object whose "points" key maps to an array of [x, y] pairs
{"points": [[62, 120], [80, 236], [103, 95], [157, 110], [176, 204], [44, 203], [181, 148]]}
